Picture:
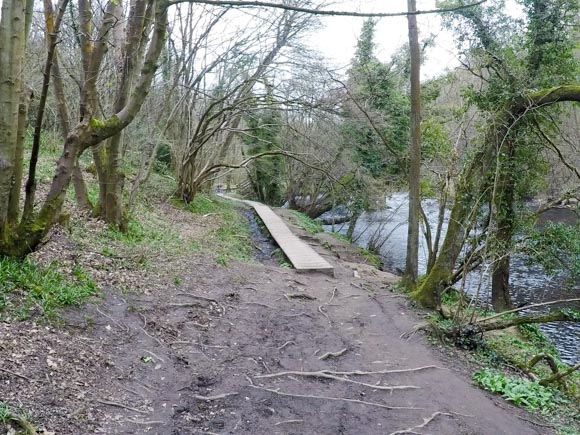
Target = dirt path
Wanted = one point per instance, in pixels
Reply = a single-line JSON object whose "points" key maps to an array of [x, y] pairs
{"points": [[142, 363]]}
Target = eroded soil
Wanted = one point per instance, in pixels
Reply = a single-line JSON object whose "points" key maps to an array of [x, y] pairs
{"points": [[145, 360]]}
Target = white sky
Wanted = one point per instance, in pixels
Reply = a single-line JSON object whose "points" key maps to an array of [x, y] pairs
{"points": [[337, 40]]}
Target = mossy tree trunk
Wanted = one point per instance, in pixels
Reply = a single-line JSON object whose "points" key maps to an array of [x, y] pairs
{"points": [[90, 131], [473, 183]]}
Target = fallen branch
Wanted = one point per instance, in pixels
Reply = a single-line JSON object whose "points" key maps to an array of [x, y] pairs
{"points": [[333, 354], [216, 397], [18, 375], [327, 375], [527, 307], [556, 315], [337, 399], [426, 421]]}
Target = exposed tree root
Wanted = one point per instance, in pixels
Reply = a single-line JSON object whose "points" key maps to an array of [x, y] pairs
{"points": [[328, 375], [288, 422], [333, 354], [426, 421], [216, 397], [288, 343], [337, 399]]}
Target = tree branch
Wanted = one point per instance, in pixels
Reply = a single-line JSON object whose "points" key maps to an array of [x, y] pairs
{"points": [[287, 7]]}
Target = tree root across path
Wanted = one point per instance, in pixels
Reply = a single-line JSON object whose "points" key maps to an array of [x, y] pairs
{"points": [[426, 421], [339, 399], [327, 374]]}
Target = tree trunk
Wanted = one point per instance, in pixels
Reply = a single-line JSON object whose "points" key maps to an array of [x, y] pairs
{"points": [[14, 203], [12, 44], [411, 266], [472, 185]]}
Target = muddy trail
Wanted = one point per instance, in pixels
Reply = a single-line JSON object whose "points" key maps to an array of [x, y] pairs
{"points": [[248, 349]]}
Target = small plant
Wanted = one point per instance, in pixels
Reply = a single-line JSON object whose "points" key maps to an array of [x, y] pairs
{"points": [[23, 286], [12, 418], [522, 392]]}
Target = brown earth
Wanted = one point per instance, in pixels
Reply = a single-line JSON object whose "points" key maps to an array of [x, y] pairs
{"points": [[141, 358]]}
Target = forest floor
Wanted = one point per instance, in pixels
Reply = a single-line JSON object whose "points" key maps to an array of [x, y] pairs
{"points": [[195, 341]]}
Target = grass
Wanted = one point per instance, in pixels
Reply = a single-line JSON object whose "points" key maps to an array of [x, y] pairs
{"points": [[306, 223], [25, 287], [230, 240], [15, 417]]}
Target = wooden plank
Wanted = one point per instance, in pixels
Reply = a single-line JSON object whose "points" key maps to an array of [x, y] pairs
{"points": [[301, 255]]}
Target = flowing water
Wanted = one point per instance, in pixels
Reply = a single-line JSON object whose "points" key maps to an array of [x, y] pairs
{"points": [[529, 283]]}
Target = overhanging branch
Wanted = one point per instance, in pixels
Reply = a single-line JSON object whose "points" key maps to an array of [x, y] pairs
{"points": [[287, 7]]}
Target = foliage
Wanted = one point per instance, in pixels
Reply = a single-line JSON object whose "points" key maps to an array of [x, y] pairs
{"points": [[522, 392], [556, 247], [306, 223], [25, 287], [263, 136]]}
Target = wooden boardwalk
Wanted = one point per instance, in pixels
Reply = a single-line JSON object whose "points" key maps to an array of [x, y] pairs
{"points": [[301, 255]]}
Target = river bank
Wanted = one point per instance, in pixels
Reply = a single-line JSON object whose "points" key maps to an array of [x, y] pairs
{"points": [[387, 230]]}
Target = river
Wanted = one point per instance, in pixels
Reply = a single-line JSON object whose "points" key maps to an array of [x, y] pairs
{"points": [[529, 283]]}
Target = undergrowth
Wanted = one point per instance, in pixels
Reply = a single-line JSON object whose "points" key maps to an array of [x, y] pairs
{"points": [[231, 239], [14, 420], [519, 391], [504, 357], [26, 289], [306, 223]]}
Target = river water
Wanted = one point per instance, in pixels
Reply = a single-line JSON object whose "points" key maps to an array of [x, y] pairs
{"points": [[529, 283]]}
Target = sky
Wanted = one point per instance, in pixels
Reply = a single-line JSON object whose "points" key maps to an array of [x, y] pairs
{"points": [[337, 39]]}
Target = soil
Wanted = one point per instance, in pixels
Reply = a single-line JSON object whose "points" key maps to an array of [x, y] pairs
{"points": [[143, 360]]}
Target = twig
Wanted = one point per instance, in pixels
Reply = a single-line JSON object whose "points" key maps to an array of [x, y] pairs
{"points": [[333, 354], [18, 375], [337, 399], [151, 336], [120, 405], [426, 421], [321, 311], [288, 343], [326, 375], [305, 296], [288, 422], [216, 397]]}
